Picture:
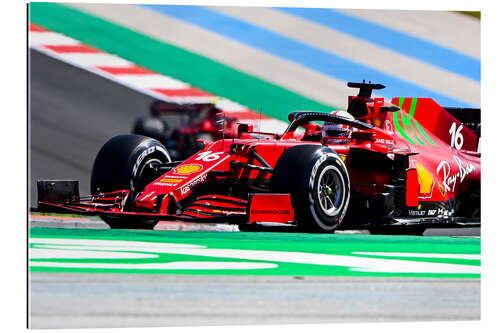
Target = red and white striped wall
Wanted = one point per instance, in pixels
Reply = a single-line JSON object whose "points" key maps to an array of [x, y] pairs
{"points": [[138, 78]]}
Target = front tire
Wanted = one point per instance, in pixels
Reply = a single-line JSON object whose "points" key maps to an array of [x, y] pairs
{"points": [[127, 162], [318, 182]]}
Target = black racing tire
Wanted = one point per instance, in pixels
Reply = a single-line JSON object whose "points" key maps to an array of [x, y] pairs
{"points": [[318, 182], [125, 162], [127, 223], [248, 227], [153, 127]]}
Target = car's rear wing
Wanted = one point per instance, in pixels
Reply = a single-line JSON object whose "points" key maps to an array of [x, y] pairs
{"points": [[470, 117]]}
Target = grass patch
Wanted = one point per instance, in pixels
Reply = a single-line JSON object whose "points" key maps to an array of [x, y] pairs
{"points": [[473, 14]]}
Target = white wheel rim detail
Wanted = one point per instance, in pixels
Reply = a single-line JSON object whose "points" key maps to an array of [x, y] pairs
{"points": [[331, 191]]}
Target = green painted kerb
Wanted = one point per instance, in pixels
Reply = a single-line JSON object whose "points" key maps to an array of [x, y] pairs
{"points": [[244, 253], [168, 59]]}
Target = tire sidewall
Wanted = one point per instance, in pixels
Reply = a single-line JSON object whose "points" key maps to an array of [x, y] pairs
{"points": [[118, 166], [118, 163], [297, 172], [321, 219], [145, 152]]}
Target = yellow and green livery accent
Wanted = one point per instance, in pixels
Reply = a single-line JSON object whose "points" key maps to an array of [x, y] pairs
{"points": [[408, 127]]}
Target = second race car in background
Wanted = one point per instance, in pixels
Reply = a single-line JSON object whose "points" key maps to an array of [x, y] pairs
{"points": [[197, 121]]}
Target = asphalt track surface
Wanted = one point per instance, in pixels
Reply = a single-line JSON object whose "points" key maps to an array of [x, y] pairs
{"points": [[134, 300], [72, 114]]}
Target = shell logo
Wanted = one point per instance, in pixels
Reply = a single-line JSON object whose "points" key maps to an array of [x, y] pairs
{"points": [[425, 181], [441, 189], [188, 169], [171, 180]]}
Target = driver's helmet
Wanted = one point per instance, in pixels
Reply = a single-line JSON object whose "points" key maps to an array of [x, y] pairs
{"points": [[334, 133], [157, 107]]}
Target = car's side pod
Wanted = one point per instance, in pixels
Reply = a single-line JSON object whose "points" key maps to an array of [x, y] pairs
{"points": [[402, 190]]}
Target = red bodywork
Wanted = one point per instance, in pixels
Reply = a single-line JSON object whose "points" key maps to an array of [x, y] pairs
{"points": [[198, 120], [441, 154]]}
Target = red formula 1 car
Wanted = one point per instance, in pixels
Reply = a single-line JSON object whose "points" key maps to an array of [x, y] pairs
{"points": [[406, 165], [203, 121]]}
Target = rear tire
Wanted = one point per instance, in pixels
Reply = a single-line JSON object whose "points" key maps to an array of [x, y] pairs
{"points": [[126, 162], [318, 182]]}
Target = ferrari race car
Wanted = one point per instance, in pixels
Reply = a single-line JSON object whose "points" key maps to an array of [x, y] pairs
{"points": [[406, 165], [199, 121]]}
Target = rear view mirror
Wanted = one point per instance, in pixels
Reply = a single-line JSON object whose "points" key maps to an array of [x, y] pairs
{"points": [[244, 128]]}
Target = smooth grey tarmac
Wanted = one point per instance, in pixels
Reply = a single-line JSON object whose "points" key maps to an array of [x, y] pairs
{"points": [[118, 300]]}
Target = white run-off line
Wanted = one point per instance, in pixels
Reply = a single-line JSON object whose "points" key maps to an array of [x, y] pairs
{"points": [[422, 255], [47, 248], [126, 73]]}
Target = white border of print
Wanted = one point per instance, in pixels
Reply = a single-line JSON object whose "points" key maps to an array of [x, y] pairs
{"points": [[14, 180]]}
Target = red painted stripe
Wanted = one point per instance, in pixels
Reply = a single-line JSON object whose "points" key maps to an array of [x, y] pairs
{"points": [[125, 70], [247, 114], [190, 92], [72, 49], [34, 27]]}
